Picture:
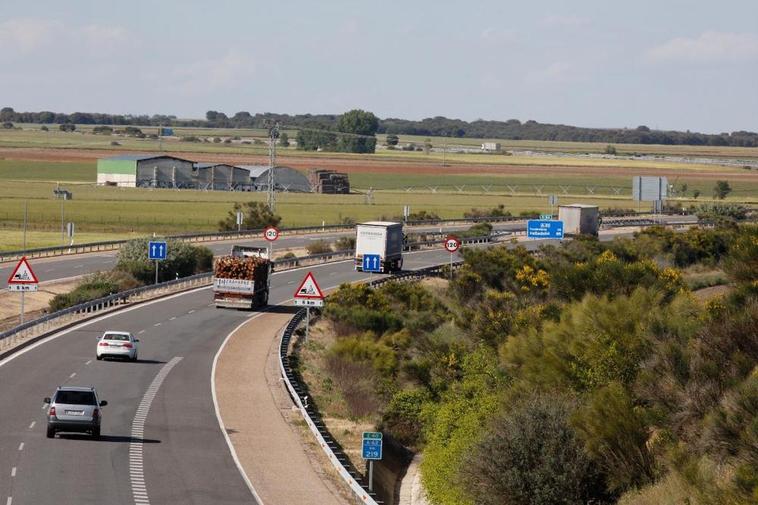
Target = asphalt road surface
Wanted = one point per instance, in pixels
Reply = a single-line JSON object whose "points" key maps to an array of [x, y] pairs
{"points": [[51, 269], [181, 456], [185, 458]]}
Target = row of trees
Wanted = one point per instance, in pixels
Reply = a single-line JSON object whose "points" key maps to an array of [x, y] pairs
{"points": [[512, 129], [579, 375]]}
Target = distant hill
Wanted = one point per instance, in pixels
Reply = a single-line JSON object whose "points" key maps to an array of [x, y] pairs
{"points": [[439, 126]]}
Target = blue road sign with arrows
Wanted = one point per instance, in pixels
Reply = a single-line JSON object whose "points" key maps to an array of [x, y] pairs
{"points": [[157, 250], [372, 445], [372, 263]]}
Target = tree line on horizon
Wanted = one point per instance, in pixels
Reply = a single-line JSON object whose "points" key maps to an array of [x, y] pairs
{"points": [[438, 126]]}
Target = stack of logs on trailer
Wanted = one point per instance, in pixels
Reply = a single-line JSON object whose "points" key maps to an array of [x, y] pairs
{"points": [[233, 267]]}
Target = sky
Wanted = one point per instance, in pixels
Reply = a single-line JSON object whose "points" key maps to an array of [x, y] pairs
{"points": [[667, 64]]}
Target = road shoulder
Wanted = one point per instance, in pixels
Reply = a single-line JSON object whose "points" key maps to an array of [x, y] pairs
{"points": [[267, 434]]}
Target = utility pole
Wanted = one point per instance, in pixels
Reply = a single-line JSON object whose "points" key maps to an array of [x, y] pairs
{"points": [[273, 134]]}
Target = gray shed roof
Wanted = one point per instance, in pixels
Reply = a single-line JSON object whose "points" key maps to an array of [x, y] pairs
{"points": [[142, 157], [255, 170]]}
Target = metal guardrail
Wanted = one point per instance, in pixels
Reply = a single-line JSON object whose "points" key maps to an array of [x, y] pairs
{"points": [[112, 245], [83, 310], [298, 392]]}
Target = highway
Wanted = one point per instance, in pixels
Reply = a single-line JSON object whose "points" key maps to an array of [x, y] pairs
{"points": [[64, 267], [183, 455]]}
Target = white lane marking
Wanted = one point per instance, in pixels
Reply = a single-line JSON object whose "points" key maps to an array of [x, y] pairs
{"points": [[140, 332], [21, 446], [291, 282], [32, 425], [10, 500], [172, 318], [87, 363], [136, 473], [218, 412], [13, 471], [157, 324], [72, 375], [191, 311]]}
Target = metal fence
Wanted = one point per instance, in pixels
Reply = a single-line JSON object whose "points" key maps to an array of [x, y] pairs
{"points": [[299, 392]]}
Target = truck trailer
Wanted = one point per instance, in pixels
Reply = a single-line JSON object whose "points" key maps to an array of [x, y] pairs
{"points": [[383, 242], [241, 280]]}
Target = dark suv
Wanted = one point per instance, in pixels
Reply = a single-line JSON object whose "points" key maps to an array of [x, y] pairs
{"points": [[75, 409]]}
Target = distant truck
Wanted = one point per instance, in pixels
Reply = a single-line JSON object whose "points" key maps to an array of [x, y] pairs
{"points": [[241, 280], [579, 219], [383, 239]]}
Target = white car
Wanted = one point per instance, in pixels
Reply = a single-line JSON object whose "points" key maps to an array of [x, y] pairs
{"points": [[117, 344]]}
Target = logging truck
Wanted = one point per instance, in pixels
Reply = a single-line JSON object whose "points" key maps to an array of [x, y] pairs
{"points": [[241, 280]]}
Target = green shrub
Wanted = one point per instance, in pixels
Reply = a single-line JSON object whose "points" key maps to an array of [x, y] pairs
{"points": [[530, 455], [344, 243], [319, 247], [402, 418], [182, 260], [92, 287], [615, 434]]}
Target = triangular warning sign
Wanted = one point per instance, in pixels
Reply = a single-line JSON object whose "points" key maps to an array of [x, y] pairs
{"points": [[309, 288], [23, 274]]}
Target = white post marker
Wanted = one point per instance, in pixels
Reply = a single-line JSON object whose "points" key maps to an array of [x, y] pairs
{"points": [[452, 244], [23, 279], [309, 295]]}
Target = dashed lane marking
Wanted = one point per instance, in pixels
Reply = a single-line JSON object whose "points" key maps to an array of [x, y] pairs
{"points": [[21, 446], [87, 363], [9, 501], [136, 471], [191, 311], [172, 318], [32, 425], [72, 375], [157, 324], [140, 332], [13, 471]]}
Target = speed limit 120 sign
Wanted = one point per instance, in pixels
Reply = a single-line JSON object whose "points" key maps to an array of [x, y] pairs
{"points": [[452, 244], [271, 233]]}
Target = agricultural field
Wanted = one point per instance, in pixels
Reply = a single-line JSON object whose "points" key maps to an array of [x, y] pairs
{"points": [[33, 163]]}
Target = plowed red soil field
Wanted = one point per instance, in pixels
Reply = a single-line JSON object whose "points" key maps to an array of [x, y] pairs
{"points": [[380, 166]]}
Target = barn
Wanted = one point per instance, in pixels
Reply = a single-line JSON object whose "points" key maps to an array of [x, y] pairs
{"points": [[220, 176], [145, 170], [285, 179]]}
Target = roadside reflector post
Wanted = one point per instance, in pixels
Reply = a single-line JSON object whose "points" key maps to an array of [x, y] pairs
{"points": [[371, 476], [307, 322]]}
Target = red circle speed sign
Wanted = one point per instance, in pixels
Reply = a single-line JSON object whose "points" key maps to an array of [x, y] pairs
{"points": [[452, 244], [271, 233]]}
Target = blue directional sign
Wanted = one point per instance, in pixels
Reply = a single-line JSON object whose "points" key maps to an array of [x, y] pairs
{"points": [[157, 250], [372, 445], [372, 263], [539, 228]]}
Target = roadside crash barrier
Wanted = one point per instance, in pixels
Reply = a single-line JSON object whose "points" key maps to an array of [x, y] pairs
{"points": [[299, 392], [113, 245]]}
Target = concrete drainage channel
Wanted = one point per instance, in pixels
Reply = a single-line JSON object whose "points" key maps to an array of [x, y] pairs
{"points": [[299, 393]]}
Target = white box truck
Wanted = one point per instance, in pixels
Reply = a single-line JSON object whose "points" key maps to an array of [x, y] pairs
{"points": [[381, 242], [579, 219]]}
